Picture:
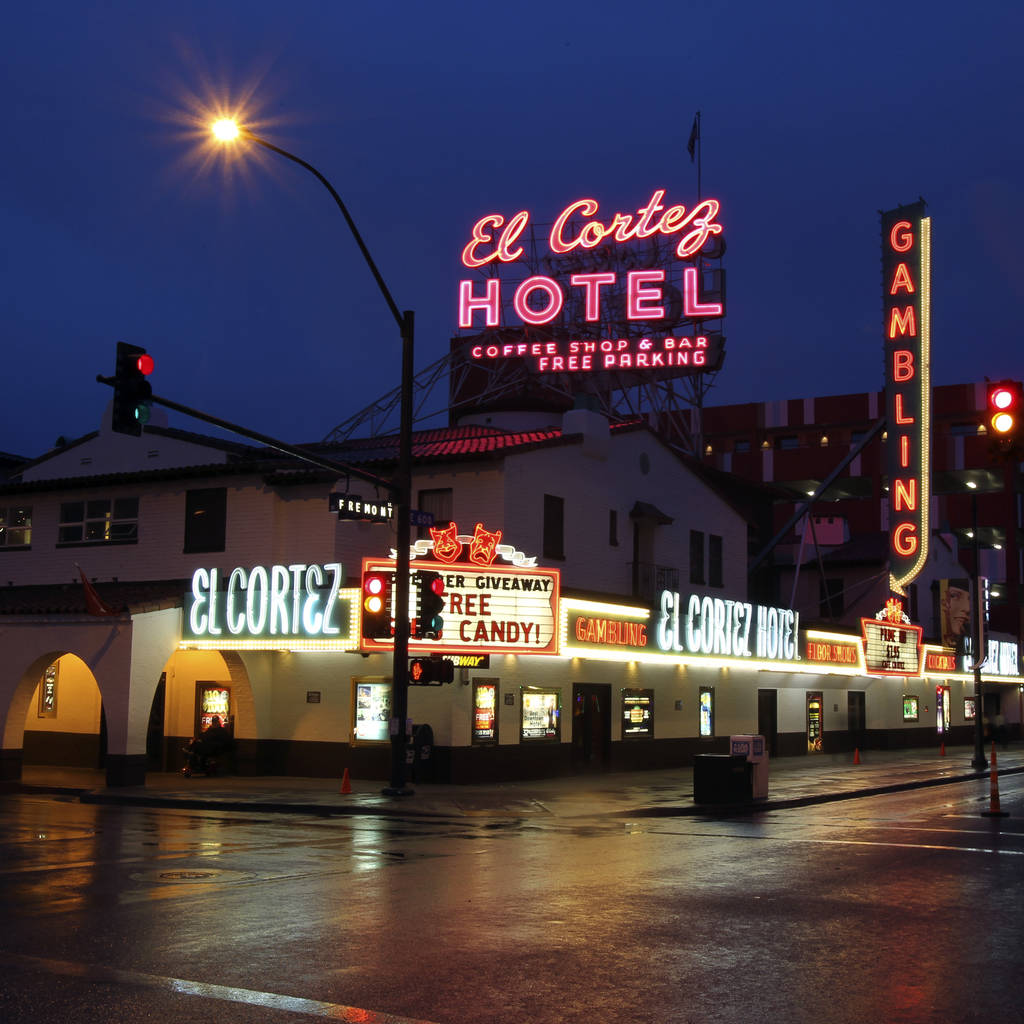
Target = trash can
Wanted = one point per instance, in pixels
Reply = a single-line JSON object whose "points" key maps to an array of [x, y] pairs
{"points": [[754, 750], [722, 779]]}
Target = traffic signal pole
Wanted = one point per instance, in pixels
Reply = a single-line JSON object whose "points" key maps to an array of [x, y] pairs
{"points": [[341, 468], [978, 762], [400, 488]]}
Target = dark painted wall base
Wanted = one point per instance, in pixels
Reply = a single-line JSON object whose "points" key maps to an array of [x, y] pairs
{"points": [[10, 765], [67, 749], [126, 770]]}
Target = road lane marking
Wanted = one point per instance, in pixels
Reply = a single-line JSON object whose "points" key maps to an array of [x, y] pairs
{"points": [[269, 1000]]}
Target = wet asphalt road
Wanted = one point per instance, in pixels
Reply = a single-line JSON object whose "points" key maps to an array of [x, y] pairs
{"points": [[895, 908]]}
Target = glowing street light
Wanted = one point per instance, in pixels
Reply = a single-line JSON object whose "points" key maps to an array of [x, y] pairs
{"points": [[227, 130]]}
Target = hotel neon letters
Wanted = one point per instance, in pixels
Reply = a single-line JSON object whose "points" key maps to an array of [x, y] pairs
{"points": [[645, 297]]}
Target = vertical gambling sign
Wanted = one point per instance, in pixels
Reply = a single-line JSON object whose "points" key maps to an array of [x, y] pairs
{"points": [[906, 305]]}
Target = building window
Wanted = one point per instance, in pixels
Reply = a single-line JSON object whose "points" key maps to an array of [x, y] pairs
{"points": [[789, 443], [554, 527], [707, 711], [48, 692], [714, 560], [741, 446], [830, 598], [16, 526], [437, 502], [613, 528], [206, 519], [696, 556], [99, 521]]}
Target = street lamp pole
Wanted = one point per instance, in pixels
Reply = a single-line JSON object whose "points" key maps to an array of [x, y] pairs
{"points": [[401, 486]]}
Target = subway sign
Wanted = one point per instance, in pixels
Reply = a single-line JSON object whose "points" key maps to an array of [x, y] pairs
{"points": [[273, 605]]}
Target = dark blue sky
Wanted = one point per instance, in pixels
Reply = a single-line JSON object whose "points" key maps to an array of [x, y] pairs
{"points": [[245, 285]]}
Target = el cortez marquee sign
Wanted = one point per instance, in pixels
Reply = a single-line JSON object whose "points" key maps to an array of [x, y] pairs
{"points": [[603, 292]]}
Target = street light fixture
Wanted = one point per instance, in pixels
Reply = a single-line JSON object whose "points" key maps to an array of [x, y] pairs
{"points": [[227, 130]]}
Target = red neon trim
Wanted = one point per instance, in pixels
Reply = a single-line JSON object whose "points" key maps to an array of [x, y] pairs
{"points": [[902, 322], [588, 207], [591, 283], [905, 241], [502, 252], [556, 299], [905, 452], [622, 228], [692, 306], [901, 279], [490, 302], [902, 544], [484, 545], [902, 365], [637, 295], [905, 495], [901, 419], [447, 546]]}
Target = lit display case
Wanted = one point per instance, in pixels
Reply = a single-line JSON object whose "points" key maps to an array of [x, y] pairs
{"points": [[911, 708], [372, 711], [637, 714], [541, 715], [485, 712]]}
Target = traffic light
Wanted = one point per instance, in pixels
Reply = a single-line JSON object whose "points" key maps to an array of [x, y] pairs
{"points": [[132, 392], [376, 601], [431, 671], [1005, 414], [429, 604]]}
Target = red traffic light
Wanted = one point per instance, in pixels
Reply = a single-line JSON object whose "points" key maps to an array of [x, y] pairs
{"points": [[132, 392], [1005, 401], [376, 614], [373, 589]]}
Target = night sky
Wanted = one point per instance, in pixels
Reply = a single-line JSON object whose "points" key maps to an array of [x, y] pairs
{"points": [[120, 223]]}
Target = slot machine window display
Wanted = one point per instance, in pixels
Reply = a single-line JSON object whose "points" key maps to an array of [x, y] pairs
{"points": [[541, 715], [637, 714]]}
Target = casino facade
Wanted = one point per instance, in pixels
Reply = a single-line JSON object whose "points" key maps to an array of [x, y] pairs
{"points": [[581, 594]]}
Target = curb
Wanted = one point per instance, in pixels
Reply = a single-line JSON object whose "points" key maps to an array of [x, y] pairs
{"points": [[412, 810]]}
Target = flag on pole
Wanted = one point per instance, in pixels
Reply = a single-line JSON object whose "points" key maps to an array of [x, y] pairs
{"points": [[94, 604], [691, 146]]}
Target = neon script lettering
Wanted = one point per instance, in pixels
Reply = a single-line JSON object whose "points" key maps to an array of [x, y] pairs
{"points": [[493, 238]]}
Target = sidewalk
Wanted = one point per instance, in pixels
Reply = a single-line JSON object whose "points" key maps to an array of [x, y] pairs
{"points": [[793, 782]]}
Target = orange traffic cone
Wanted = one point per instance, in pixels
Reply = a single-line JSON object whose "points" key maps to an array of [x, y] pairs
{"points": [[856, 755], [346, 786], [993, 792]]}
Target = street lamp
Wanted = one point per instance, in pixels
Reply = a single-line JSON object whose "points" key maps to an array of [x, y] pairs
{"points": [[226, 130]]}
